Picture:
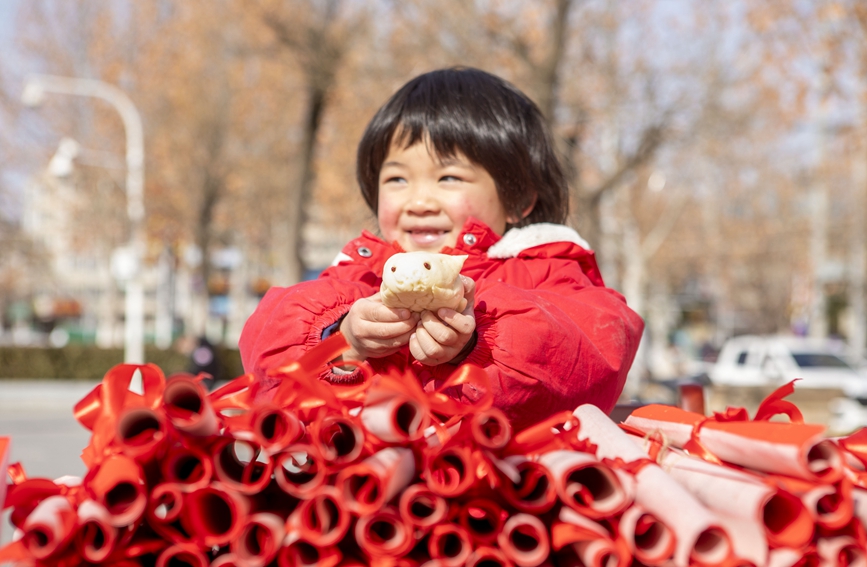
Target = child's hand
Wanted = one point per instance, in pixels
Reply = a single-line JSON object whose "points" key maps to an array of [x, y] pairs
{"points": [[440, 337], [374, 330]]}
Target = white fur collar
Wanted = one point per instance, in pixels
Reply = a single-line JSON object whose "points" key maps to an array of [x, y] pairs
{"points": [[519, 239]]}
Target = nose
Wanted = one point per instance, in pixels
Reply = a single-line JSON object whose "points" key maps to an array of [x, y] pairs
{"points": [[422, 200]]}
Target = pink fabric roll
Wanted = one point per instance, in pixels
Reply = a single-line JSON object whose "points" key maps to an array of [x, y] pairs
{"points": [[275, 428], [491, 429], [142, 432], [395, 418], [340, 439], [214, 515], [384, 534], [322, 519], [241, 465], [533, 490], [190, 466], [591, 544], [483, 520], [489, 557], [449, 544], [163, 511], [118, 484]]}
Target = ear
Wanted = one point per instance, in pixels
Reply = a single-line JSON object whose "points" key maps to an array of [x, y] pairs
{"points": [[514, 219]]}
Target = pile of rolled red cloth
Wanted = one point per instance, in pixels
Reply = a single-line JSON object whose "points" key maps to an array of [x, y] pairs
{"points": [[384, 473]]}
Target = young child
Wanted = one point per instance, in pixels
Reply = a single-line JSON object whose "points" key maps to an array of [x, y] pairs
{"points": [[459, 161]]}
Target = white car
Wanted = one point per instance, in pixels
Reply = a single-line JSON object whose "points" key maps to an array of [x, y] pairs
{"points": [[752, 360]]}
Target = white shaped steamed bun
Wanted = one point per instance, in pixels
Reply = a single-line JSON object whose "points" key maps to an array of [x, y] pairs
{"points": [[421, 281]]}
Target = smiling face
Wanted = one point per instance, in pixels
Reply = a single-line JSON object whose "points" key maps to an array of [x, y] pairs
{"points": [[424, 201]]}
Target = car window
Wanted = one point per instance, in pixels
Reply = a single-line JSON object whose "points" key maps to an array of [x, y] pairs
{"points": [[742, 358], [818, 360]]}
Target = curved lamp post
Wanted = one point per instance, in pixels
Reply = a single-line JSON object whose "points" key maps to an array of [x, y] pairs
{"points": [[34, 92]]}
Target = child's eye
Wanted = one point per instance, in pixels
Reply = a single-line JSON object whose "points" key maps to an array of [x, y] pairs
{"points": [[450, 178], [394, 179]]}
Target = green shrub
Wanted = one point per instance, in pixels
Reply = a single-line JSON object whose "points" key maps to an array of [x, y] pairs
{"points": [[87, 362]]}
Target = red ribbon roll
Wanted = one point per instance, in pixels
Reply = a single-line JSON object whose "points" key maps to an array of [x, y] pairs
{"points": [[533, 490], [368, 485], [396, 419], [188, 407], [95, 538], [383, 533], [300, 470], [322, 519], [524, 540], [275, 428], [260, 539], [189, 466], [585, 484], [340, 439], [182, 554], [118, 484], [214, 515], [142, 433], [483, 519], [491, 428], [49, 528], [300, 553], [489, 557], [163, 511], [421, 507], [450, 544], [238, 465], [227, 560], [650, 541], [450, 471]]}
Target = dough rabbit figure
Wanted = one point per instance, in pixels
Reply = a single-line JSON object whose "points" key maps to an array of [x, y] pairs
{"points": [[423, 281], [460, 165]]}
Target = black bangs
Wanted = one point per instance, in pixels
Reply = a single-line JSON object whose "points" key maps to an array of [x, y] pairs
{"points": [[481, 116]]}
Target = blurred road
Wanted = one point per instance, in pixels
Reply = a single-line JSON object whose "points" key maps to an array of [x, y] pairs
{"points": [[46, 438]]}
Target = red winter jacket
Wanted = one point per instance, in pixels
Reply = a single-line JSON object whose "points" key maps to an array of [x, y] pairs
{"points": [[551, 336]]}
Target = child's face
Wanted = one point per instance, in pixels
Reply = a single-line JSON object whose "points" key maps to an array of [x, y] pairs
{"points": [[424, 202]]}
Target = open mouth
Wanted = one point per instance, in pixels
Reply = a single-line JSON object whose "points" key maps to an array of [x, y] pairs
{"points": [[426, 236]]}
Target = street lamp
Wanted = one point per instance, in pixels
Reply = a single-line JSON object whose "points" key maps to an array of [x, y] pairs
{"points": [[34, 93]]}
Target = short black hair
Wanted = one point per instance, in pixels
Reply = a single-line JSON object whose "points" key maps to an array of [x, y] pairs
{"points": [[484, 117]]}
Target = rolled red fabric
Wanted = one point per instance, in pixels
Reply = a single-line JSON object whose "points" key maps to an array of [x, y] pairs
{"points": [[738, 493], [524, 540], [367, 485], [650, 541], [188, 407], [95, 538], [260, 539], [321, 519], [791, 449], [241, 465], [842, 551], [189, 466], [533, 490], [491, 428], [582, 541], [142, 433], [340, 439], [185, 554], [275, 428], [300, 470], [489, 557], [483, 520], [227, 560], [299, 553], [449, 544], [831, 506], [449, 471], [49, 527], [163, 511], [585, 484], [395, 418], [118, 484], [383, 533], [421, 507], [214, 515]]}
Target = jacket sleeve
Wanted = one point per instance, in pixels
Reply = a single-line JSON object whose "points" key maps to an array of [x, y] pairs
{"points": [[289, 320], [553, 340]]}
